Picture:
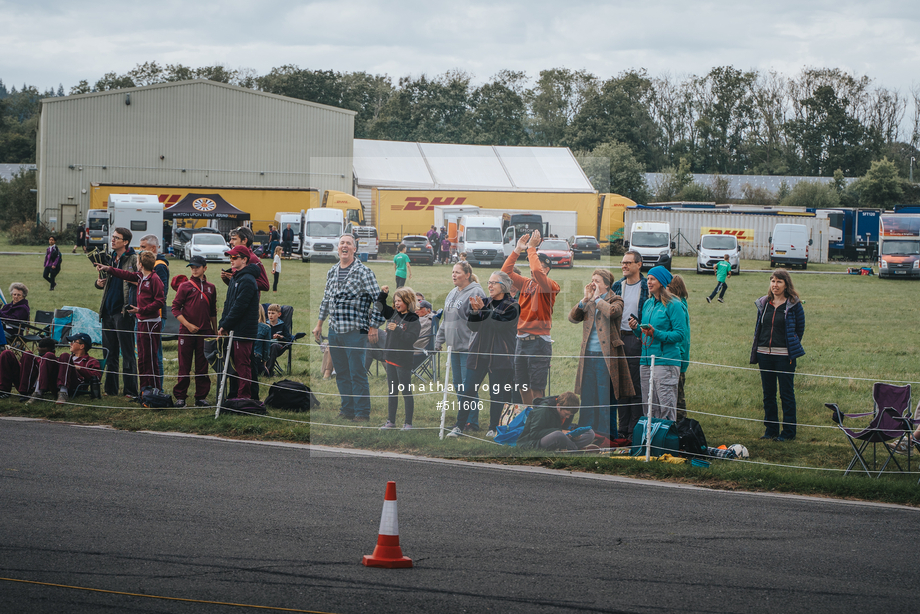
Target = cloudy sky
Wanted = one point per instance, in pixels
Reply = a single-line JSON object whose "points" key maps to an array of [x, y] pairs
{"points": [[50, 42]]}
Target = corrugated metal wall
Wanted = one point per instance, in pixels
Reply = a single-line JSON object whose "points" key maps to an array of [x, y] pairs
{"points": [[189, 133], [686, 226]]}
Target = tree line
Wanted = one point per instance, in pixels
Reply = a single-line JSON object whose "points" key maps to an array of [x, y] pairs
{"points": [[727, 121]]}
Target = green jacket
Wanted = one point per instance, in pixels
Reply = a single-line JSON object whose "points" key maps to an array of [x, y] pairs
{"points": [[542, 421], [670, 324]]}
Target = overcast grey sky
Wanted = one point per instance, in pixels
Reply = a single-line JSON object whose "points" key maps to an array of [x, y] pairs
{"points": [[47, 42]]}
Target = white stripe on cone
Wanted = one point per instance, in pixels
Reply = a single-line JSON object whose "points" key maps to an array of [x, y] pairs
{"points": [[389, 524]]}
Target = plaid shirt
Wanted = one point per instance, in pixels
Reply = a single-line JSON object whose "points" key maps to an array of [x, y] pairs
{"points": [[348, 305]]}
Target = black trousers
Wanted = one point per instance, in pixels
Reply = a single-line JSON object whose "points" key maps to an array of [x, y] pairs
{"points": [[629, 409], [118, 340], [50, 274]]}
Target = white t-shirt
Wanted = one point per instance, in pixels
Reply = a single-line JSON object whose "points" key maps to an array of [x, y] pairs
{"points": [[276, 268], [631, 295]]}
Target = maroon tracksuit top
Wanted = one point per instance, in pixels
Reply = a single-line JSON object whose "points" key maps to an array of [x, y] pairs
{"points": [[197, 301], [151, 296]]}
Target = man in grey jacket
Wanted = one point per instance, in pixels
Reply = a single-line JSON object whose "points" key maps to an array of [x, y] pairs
{"points": [[454, 331]]}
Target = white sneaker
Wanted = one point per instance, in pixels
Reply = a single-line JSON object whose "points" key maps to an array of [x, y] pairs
{"points": [[406, 427], [491, 434], [454, 432], [388, 426]]}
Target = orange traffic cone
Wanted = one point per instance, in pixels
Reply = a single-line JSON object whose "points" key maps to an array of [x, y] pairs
{"points": [[388, 554]]}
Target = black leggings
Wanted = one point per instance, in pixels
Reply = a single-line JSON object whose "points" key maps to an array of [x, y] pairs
{"points": [[275, 286], [397, 376]]}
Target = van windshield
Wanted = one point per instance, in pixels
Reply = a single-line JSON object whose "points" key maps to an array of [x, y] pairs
{"points": [[479, 234], [641, 238], [97, 223], [323, 229], [900, 248], [716, 242]]}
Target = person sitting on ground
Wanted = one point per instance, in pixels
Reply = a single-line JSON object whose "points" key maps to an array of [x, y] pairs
{"points": [[548, 424], [15, 313], [280, 339], [23, 372]]}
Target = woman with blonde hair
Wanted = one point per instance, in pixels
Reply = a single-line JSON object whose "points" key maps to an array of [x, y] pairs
{"points": [[777, 344], [455, 331], [662, 329], [403, 330]]}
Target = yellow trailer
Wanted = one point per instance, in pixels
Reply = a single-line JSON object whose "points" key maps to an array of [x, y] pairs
{"points": [[399, 212], [259, 202]]}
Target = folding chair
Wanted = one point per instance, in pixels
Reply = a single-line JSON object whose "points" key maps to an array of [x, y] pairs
{"points": [[39, 329], [287, 316], [890, 422], [427, 362]]}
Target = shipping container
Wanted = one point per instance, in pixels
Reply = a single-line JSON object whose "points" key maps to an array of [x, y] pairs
{"points": [[752, 230]]}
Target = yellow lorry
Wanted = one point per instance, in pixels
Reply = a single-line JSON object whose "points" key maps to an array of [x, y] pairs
{"points": [[260, 202], [399, 212]]}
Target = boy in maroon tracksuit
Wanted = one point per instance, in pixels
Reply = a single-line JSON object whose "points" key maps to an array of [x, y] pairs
{"points": [[151, 298], [195, 306], [74, 368], [23, 372]]}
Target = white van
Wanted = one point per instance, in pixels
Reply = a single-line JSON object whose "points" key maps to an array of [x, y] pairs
{"points": [[320, 234], [366, 236], [789, 245], [712, 248], [142, 214], [653, 241], [281, 222], [97, 230], [480, 236]]}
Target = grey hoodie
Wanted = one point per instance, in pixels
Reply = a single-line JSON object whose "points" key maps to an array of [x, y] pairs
{"points": [[454, 330]]}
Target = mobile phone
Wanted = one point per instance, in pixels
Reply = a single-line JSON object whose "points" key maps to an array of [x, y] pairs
{"points": [[633, 316], [645, 326]]}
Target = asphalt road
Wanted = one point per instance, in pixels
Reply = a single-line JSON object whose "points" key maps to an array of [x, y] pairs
{"points": [[285, 527]]}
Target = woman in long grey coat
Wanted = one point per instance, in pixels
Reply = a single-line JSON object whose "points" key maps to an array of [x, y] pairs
{"points": [[603, 375]]}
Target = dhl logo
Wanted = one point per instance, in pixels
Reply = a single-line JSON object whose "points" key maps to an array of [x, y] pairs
{"points": [[421, 203], [169, 200], [742, 234]]}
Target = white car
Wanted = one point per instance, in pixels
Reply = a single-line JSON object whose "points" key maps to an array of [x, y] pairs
{"points": [[209, 246]]}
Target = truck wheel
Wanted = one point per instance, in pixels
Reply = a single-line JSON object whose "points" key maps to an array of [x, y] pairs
{"points": [[772, 265], [804, 266]]}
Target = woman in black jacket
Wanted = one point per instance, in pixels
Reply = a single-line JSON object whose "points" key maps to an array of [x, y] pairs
{"points": [[494, 326], [403, 330]]}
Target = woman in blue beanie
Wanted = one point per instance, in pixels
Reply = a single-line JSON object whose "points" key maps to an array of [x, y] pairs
{"points": [[662, 328]]}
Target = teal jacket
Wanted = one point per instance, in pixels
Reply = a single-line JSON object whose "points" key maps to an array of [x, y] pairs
{"points": [[671, 329]]}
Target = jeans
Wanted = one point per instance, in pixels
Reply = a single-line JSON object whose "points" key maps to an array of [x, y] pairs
{"points": [[458, 372], [664, 390], [347, 351], [785, 375], [596, 410]]}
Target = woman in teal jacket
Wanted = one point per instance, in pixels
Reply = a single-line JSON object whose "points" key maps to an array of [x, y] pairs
{"points": [[679, 289], [662, 329]]}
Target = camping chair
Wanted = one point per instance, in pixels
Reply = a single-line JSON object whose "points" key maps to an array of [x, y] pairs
{"points": [[428, 362], [890, 422], [39, 329], [287, 316]]}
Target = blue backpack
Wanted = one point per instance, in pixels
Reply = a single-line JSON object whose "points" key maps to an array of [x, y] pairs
{"points": [[508, 435]]}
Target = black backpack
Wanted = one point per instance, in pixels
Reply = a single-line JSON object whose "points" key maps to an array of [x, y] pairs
{"points": [[692, 439], [290, 395], [243, 407], [154, 398]]}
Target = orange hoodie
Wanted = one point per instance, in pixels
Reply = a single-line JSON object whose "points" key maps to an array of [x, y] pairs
{"points": [[538, 295]]}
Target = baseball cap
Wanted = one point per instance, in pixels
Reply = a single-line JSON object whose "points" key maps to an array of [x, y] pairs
{"points": [[240, 250], [197, 261], [82, 338], [424, 304], [544, 259]]}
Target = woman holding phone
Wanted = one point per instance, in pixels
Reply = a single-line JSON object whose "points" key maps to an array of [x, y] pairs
{"points": [[662, 328]]}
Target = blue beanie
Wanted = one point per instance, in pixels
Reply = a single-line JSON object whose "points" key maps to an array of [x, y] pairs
{"points": [[663, 275]]}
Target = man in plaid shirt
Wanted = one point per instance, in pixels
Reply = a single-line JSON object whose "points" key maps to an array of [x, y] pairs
{"points": [[351, 290]]}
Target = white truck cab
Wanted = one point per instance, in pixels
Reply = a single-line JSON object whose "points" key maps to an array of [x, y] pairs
{"points": [[480, 236], [320, 233], [653, 241]]}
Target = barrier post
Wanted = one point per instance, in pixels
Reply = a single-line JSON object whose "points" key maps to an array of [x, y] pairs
{"points": [[223, 375], [648, 418], [444, 399]]}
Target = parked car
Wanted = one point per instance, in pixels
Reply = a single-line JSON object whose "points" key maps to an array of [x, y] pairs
{"points": [[586, 246], [419, 249], [559, 252], [210, 246], [182, 235]]}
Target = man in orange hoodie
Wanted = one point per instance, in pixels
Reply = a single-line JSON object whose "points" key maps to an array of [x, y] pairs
{"points": [[538, 295]]}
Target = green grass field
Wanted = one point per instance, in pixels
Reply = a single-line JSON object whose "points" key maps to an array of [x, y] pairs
{"points": [[858, 330]]}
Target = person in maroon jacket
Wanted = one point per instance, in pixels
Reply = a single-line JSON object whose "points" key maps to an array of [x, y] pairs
{"points": [[195, 306], [150, 300], [244, 236], [23, 372], [75, 368]]}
